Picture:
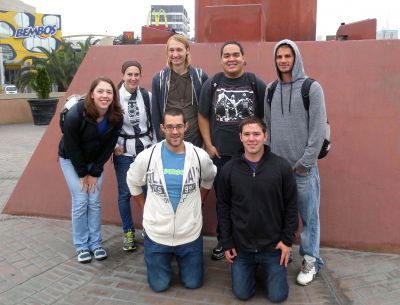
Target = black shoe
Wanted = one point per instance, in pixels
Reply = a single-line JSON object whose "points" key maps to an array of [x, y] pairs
{"points": [[218, 252]]}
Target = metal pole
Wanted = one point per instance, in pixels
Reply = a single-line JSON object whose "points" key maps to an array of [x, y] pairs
{"points": [[1, 66]]}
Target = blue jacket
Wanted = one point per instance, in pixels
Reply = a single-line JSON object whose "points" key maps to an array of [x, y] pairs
{"points": [[160, 88]]}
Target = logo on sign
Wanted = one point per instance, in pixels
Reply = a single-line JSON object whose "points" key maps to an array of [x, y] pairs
{"points": [[157, 17], [39, 31]]}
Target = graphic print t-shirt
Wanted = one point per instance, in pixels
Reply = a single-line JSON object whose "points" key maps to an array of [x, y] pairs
{"points": [[173, 174], [233, 101]]}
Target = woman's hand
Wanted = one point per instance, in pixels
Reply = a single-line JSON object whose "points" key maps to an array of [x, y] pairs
{"points": [[92, 184], [89, 184]]}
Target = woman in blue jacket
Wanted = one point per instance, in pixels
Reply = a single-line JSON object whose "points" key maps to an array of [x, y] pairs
{"points": [[91, 130]]}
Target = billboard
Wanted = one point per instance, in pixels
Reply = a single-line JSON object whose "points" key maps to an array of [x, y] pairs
{"points": [[22, 33]]}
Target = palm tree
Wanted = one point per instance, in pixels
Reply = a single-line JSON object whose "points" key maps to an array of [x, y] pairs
{"points": [[58, 63]]}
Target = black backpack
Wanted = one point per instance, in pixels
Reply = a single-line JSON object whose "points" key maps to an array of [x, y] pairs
{"points": [[146, 99], [69, 103], [305, 94]]}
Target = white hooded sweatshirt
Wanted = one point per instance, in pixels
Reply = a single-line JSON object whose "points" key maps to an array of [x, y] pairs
{"points": [[160, 222]]}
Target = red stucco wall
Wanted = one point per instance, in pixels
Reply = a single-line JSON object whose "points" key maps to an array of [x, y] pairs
{"points": [[365, 29], [255, 20], [359, 178]]}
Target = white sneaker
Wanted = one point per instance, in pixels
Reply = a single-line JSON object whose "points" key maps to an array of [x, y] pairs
{"points": [[308, 271], [99, 254], [84, 256]]}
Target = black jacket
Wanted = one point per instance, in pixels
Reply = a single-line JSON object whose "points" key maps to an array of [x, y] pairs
{"points": [[257, 210], [82, 144]]}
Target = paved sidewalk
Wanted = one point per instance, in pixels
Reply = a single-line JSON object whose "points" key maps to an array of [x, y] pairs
{"points": [[38, 263]]}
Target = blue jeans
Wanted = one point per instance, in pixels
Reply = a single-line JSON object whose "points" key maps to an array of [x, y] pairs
{"points": [[158, 260], [86, 210], [121, 166], [244, 269], [308, 197]]}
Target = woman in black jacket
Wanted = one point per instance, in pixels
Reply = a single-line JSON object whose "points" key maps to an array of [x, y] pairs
{"points": [[91, 130]]}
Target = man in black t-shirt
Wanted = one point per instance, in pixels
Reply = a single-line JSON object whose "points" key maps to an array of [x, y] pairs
{"points": [[225, 100]]}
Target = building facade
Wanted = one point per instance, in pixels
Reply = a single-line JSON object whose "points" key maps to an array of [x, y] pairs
{"points": [[22, 31], [175, 17], [387, 34]]}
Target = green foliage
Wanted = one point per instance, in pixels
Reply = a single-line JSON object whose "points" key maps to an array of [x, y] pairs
{"points": [[61, 64], [41, 83]]}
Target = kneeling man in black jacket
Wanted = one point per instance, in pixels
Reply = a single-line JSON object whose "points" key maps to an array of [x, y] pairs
{"points": [[257, 214]]}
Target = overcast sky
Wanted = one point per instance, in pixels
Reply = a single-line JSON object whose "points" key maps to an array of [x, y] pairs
{"points": [[96, 17]]}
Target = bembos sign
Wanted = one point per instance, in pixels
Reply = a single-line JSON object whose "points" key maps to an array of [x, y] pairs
{"points": [[39, 31]]}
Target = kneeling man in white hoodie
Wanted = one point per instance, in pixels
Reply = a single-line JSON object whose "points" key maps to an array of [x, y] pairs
{"points": [[178, 176]]}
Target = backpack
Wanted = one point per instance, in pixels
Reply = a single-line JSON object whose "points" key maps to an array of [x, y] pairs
{"points": [[69, 102], [251, 77], [305, 94], [146, 99]]}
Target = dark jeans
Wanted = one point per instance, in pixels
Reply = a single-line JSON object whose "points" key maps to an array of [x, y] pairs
{"points": [[158, 260], [121, 166], [244, 275]]}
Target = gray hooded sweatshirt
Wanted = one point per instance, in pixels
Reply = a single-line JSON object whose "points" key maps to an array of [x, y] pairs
{"points": [[293, 133]]}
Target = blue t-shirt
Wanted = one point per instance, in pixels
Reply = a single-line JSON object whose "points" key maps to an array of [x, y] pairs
{"points": [[102, 126], [253, 165], [173, 174]]}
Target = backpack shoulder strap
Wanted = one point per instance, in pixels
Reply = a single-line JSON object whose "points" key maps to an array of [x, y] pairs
{"points": [[271, 91], [81, 110], [216, 80], [199, 73], [252, 79], [305, 92], [198, 159], [146, 100], [253, 83]]}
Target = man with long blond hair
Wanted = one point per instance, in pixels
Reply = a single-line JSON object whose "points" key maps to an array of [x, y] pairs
{"points": [[178, 86]]}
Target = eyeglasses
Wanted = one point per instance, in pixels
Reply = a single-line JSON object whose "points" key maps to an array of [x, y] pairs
{"points": [[170, 127]]}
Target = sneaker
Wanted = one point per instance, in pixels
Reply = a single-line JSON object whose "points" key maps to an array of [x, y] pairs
{"points": [[99, 254], [218, 252], [308, 271], [129, 241], [84, 256]]}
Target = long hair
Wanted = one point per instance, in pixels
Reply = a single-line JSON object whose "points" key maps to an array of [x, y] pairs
{"points": [[114, 112], [182, 39]]}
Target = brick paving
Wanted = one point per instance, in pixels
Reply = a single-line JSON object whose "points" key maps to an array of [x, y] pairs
{"points": [[38, 263]]}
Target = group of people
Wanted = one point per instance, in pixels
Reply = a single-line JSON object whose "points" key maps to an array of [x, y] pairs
{"points": [[190, 134]]}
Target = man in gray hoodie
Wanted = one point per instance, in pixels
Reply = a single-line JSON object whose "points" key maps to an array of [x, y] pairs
{"points": [[297, 135]]}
